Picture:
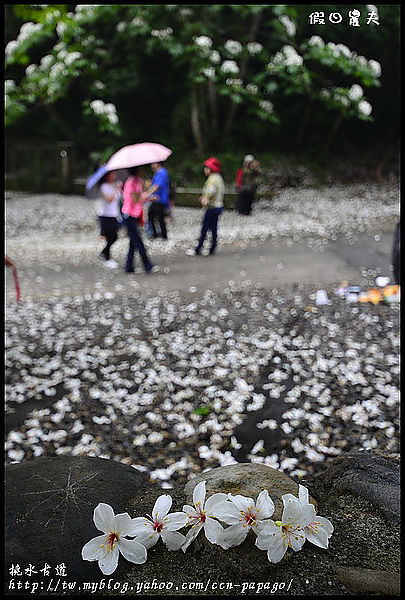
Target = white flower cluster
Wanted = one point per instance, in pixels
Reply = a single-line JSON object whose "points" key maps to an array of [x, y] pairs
{"points": [[355, 92], [365, 108], [25, 33], [287, 57], [234, 82], [254, 48], [252, 88], [375, 67], [162, 34], [215, 57], [288, 24], [101, 108], [241, 514], [233, 47], [315, 40], [203, 41], [209, 72], [230, 66], [266, 105]]}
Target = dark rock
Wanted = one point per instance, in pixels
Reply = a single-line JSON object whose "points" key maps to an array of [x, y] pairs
{"points": [[49, 509], [368, 581], [365, 474], [248, 480]]}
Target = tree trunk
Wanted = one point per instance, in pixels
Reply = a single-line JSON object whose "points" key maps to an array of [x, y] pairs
{"points": [[212, 96], [195, 122], [243, 68], [304, 123], [333, 132]]}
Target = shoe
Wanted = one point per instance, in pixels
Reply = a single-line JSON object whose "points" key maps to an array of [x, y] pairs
{"points": [[129, 270], [193, 252], [212, 252], [154, 269], [111, 264]]}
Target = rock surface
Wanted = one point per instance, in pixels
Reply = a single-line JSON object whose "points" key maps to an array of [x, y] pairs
{"points": [[248, 480], [49, 508], [363, 545], [372, 477]]}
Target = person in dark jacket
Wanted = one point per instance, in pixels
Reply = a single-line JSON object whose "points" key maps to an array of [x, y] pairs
{"points": [[247, 185]]}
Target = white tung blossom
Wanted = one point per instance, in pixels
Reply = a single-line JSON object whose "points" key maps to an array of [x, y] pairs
{"points": [[106, 548], [162, 34], [209, 72], [230, 66], [234, 81], [233, 47], [355, 92], [203, 515], [375, 67], [365, 108], [161, 524], [254, 47], [266, 105], [243, 514], [252, 88], [215, 57], [315, 40], [203, 41], [288, 24], [288, 57]]}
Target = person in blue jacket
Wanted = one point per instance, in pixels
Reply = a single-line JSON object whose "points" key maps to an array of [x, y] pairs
{"points": [[160, 196]]}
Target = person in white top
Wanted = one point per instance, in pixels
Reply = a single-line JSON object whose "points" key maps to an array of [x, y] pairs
{"points": [[109, 213]]}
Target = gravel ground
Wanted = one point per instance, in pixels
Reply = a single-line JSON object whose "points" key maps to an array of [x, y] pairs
{"points": [[164, 383]]}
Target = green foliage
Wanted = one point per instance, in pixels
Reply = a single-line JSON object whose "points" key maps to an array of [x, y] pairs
{"points": [[186, 75], [203, 410]]}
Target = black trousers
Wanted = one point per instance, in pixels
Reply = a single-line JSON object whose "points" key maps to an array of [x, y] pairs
{"points": [[157, 213], [109, 229], [244, 202]]}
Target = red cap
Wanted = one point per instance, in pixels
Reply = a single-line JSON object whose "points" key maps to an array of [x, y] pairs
{"points": [[214, 164]]}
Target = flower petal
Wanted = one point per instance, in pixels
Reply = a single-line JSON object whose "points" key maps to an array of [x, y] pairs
{"points": [[123, 524], [140, 525], [199, 493], [191, 535], [147, 538], [265, 505], [303, 494], [132, 550], [95, 548], [233, 536], [109, 562], [103, 517], [214, 500], [277, 549], [264, 541], [189, 510], [162, 506], [212, 530], [297, 538], [175, 521], [241, 502], [173, 539], [228, 513], [293, 511], [319, 532]]}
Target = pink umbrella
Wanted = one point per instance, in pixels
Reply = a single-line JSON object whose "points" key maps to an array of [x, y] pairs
{"points": [[136, 155]]}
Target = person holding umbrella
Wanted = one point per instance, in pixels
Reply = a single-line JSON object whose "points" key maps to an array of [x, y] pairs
{"points": [[213, 200], [132, 209]]}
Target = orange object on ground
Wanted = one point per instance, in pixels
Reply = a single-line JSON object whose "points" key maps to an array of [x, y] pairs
{"points": [[9, 263]]}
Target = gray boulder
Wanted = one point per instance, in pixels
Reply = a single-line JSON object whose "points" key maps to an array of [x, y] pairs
{"points": [[49, 509]]}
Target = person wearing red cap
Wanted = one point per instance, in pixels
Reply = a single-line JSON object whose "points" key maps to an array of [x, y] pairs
{"points": [[213, 200]]}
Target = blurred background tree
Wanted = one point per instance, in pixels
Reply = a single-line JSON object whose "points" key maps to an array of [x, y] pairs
{"points": [[203, 79]]}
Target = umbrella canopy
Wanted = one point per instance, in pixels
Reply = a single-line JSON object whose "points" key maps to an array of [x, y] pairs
{"points": [[92, 184], [137, 155], [95, 178]]}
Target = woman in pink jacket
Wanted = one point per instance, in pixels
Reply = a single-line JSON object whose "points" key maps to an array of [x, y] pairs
{"points": [[132, 210]]}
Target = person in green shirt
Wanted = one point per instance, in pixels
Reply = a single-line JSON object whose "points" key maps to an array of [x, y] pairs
{"points": [[212, 200]]}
